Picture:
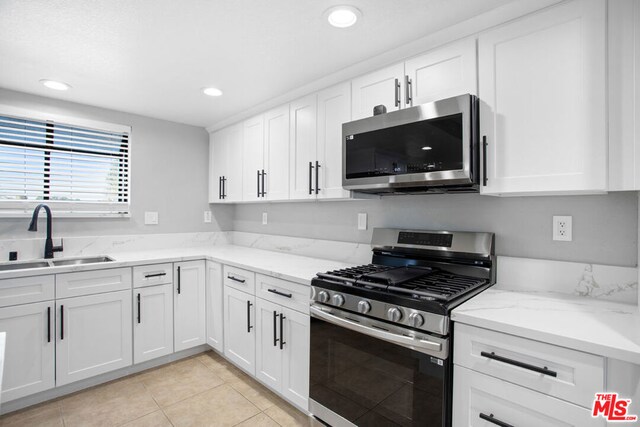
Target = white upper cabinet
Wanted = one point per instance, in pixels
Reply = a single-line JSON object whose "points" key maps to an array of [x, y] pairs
{"points": [[226, 165], [334, 109], [252, 158], [543, 112], [275, 182], [217, 165], [303, 139], [382, 87], [441, 73], [624, 95]]}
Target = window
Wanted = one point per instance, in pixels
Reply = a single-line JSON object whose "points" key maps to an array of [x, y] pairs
{"points": [[77, 170]]}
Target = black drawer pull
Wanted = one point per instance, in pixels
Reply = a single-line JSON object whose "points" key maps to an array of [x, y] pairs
{"points": [[277, 292], [495, 421], [544, 371], [235, 279], [147, 276]]}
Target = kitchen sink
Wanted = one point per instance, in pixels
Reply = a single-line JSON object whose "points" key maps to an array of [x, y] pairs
{"points": [[80, 261], [23, 265]]}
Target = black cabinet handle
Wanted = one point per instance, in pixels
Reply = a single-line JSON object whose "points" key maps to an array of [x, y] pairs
{"points": [[310, 182], [484, 161], [235, 279], [220, 187], [277, 292], [317, 173], [147, 276], [258, 185], [48, 324], [139, 315], [61, 322], [397, 93], [249, 327], [282, 343], [275, 329], [495, 421], [407, 90], [264, 192], [224, 187], [544, 371], [179, 281]]}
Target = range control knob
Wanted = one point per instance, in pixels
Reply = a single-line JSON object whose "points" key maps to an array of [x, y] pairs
{"points": [[364, 307], [338, 300], [394, 314], [323, 296], [416, 320]]}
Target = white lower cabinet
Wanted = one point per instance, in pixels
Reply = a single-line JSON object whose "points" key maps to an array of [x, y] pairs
{"points": [[189, 304], [29, 357], [481, 400], [215, 299], [93, 335], [239, 329], [268, 351], [152, 322]]}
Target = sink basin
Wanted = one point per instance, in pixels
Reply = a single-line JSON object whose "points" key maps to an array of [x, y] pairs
{"points": [[23, 265], [80, 261]]}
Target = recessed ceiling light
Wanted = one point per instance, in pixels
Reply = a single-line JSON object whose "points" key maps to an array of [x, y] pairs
{"points": [[427, 148], [52, 84], [212, 91], [342, 16]]}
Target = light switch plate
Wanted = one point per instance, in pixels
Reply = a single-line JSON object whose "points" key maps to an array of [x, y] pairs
{"points": [[264, 218], [207, 216], [151, 218], [362, 221]]}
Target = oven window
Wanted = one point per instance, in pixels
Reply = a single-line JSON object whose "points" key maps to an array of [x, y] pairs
{"points": [[374, 383], [425, 146]]}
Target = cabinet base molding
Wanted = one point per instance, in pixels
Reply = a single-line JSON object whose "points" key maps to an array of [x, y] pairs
{"points": [[97, 380]]}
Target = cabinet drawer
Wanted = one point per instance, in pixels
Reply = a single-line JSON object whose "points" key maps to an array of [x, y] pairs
{"points": [[578, 375], [24, 290], [283, 292], [240, 279], [155, 274], [477, 396], [92, 282]]}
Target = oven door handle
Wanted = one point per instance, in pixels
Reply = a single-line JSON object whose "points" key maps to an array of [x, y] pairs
{"points": [[405, 341]]}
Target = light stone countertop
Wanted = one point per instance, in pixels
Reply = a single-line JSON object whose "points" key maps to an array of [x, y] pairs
{"points": [[604, 328], [295, 268]]}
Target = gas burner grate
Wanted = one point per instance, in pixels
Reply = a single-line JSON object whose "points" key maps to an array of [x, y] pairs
{"points": [[439, 285]]}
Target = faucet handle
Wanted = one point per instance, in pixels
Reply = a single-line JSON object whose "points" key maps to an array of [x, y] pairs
{"points": [[59, 248]]}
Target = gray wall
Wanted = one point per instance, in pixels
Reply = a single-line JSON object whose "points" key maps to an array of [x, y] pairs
{"points": [[169, 174], [605, 227]]}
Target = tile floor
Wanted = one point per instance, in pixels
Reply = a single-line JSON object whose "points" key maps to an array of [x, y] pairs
{"points": [[203, 390]]}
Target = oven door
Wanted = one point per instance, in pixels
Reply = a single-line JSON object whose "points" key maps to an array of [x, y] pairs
{"points": [[368, 373]]}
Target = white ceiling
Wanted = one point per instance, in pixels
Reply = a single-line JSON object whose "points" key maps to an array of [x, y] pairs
{"points": [[152, 57]]}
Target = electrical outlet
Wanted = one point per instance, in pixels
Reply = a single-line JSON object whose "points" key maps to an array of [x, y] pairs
{"points": [[151, 218], [264, 218], [562, 228], [362, 221], [207, 216]]}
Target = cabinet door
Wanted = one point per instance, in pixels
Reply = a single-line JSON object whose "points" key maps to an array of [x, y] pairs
{"points": [[152, 322], [93, 335], [30, 349], [234, 164], [268, 353], [542, 83], [442, 73], [303, 147], [476, 394], [239, 329], [215, 300], [383, 87], [189, 304], [334, 109], [217, 164], [276, 153], [252, 158], [295, 366]]}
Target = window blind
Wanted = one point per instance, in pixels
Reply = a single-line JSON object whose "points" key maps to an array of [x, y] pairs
{"points": [[76, 170]]}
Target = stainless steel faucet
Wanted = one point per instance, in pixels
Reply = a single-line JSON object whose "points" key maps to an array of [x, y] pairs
{"points": [[49, 249]]}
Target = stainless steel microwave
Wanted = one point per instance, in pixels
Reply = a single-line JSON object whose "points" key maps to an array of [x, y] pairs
{"points": [[428, 148]]}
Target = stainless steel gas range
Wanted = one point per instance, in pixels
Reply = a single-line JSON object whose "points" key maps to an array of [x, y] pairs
{"points": [[381, 337]]}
